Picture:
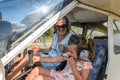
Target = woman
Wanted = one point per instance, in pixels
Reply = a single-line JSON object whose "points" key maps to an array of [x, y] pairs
{"points": [[77, 67], [59, 44]]}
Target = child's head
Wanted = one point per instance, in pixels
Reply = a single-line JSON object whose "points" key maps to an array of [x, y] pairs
{"points": [[73, 40], [80, 48], [73, 46]]}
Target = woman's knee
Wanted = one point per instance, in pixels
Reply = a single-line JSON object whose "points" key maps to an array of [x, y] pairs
{"points": [[36, 69], [38, 77]]}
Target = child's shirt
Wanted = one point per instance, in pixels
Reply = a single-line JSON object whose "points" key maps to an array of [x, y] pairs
{"points": [[67, 74]]}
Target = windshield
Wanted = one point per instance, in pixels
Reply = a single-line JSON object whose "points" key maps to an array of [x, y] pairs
{"points": [[23, 16]]}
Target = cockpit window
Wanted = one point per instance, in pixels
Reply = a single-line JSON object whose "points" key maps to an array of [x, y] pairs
{"points": [[27, 15], [117, 37]]}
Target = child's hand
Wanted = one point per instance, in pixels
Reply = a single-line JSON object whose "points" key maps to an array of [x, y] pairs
{"points": [[67, 54], [36, 59], [72, 63]]}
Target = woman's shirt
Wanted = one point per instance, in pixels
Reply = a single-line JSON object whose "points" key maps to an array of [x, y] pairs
{"points": [[55, 51]]}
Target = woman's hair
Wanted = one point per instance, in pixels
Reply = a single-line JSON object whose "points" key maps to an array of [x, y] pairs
{"points": [[67, 24], [66, 19]]}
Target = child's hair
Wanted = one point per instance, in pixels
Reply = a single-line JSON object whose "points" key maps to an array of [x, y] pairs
{"points": [[73, 40], [86, 45], [91, 46]]}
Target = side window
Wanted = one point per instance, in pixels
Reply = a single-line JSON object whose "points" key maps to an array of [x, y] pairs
{"points": [[45, 40], [117, 37], [77, 29]]}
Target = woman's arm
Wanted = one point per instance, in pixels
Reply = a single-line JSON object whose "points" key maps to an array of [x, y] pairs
{"points": [[52, 59], [47, 50], [37, 49], [48, 59]]}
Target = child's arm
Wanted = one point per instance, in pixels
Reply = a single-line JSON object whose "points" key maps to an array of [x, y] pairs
{"points": [[78, 76], [85, 73], [73, 65], [81, 76]]}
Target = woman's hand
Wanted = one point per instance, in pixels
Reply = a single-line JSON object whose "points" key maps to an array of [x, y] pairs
{"points": [[36, 59], [36, 49]]}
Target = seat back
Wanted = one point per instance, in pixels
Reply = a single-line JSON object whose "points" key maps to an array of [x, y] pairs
{"points": [[100, 58]]}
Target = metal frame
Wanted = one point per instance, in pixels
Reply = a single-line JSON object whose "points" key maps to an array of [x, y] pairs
{"points": [[110, 41]]}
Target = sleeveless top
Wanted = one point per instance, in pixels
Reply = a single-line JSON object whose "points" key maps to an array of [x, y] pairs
{"points": [[55, 51]]}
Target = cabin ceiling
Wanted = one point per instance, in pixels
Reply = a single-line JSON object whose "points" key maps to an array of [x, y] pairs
{"points": [[85, 16], [108, 5]]}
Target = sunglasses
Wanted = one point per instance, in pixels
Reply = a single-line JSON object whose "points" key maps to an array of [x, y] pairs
{"points": [[62, 26]]}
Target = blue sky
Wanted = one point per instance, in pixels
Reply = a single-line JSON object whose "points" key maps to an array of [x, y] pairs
{"points": [[16, 10]]}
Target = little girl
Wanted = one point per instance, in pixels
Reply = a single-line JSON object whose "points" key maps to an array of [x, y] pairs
{"points": [[77, 68]]}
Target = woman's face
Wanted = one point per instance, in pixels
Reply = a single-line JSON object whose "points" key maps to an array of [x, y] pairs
{"points": [[61, 27]]}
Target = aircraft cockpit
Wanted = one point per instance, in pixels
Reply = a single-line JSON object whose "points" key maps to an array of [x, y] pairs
{"points": [[22, 23]]}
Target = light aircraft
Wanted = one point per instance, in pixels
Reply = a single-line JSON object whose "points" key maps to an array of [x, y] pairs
{"points": [[22, 22]]}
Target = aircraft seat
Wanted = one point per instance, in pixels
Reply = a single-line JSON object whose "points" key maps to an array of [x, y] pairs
{"points": [[100, 61]]}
